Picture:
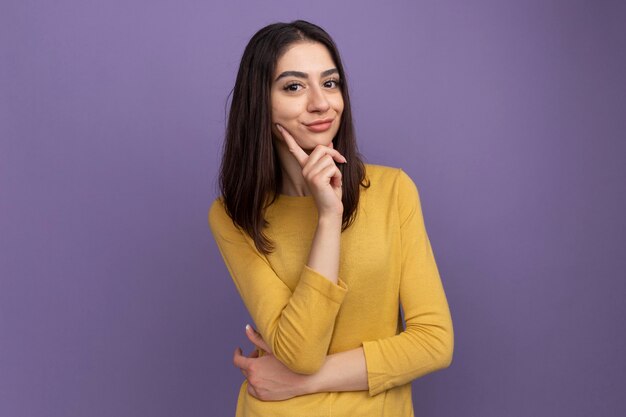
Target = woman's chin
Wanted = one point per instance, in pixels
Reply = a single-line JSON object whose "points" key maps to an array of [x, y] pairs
{"points": [[309, 143]]}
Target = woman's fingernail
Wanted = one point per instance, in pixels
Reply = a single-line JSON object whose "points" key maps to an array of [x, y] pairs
{"points": [[248, 327]]}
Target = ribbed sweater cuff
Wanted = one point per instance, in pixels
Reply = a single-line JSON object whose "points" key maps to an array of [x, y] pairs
{"points": [[317, 281], [375, 378]]}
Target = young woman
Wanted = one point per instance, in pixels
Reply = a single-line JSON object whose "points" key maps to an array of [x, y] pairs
{"points": [[323, 249]]}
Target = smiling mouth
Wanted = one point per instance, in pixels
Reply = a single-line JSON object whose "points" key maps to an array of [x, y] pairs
{"points": [[319, 127], [320, 122]]}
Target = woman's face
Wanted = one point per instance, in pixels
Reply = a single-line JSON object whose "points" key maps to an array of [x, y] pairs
{"points": [[306, 90]]}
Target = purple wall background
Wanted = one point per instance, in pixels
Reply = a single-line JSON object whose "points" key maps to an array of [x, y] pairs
{"points": [[510, 117]]}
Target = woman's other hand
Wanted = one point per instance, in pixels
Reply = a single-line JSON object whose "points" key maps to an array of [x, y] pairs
{"points": [[256, 339], [320, 173], [268, 379]]}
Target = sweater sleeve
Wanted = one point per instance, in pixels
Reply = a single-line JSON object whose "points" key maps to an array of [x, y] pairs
{"points": [[298, 326], [426, 344]]}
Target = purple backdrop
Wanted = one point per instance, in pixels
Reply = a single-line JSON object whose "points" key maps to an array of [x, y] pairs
{"points": [[509, 116]]}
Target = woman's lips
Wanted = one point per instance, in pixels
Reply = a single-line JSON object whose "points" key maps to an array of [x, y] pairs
{"points": [[320, 127]]}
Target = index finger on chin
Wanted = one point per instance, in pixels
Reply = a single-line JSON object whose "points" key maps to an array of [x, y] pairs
{"points": [[293, 146]]}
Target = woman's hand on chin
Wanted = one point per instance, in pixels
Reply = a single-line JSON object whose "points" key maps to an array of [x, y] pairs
{"points": [[268, 379], [321, 174]]}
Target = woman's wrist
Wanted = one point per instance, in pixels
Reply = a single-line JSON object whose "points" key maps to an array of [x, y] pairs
{"points": [[308, 385], [343, 371], [330, 220]]}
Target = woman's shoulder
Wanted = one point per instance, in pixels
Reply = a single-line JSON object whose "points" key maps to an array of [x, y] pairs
{"points": [[218, 216], [392, 185], [383, 176], [217, 209]]}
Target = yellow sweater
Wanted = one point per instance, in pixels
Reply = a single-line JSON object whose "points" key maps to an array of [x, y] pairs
{"points": [[386, 261]]}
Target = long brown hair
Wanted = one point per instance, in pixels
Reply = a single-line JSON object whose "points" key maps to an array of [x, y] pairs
{"points": [[250, 175]]}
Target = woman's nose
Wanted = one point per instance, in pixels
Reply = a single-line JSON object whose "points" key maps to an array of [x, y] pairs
{"points": [[318, 102]]}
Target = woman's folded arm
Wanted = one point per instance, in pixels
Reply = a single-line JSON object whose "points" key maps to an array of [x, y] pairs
{"points": [[298, 326], [427, 343]]}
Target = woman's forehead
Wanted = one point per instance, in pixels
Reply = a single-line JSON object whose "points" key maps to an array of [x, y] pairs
{"points": [[308, 57]]}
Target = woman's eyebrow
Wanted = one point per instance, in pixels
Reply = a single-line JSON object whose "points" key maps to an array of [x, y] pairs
{"points": [[304, 74]]}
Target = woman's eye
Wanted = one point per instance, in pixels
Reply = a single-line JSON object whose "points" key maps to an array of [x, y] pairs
{"points": [[292, 87], [332, 83]]}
